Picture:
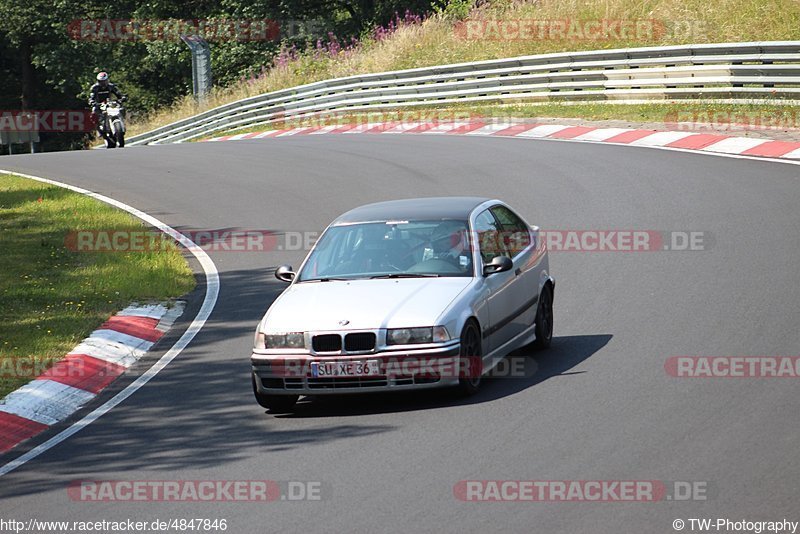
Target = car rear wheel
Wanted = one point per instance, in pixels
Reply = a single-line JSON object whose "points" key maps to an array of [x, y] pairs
{"points": [[471, 364], [274, 403], [544, 319]]}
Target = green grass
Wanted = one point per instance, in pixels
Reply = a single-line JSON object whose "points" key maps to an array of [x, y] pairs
{"points": [[52, 296], [753, 115]]}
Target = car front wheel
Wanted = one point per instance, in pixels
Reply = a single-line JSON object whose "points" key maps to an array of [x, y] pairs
{"points": [[471, 363], [544, 319]]}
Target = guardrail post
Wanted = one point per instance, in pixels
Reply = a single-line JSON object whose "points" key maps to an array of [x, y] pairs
{"points": [[201, 65]]}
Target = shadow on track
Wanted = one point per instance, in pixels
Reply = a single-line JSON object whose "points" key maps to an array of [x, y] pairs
{"points": [[199, 412], [564, 354]]}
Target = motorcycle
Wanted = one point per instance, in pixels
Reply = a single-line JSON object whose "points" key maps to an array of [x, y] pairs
{"points": [[112, 125]]}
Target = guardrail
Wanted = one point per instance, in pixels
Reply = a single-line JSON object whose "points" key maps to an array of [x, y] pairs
{"points": [[738, 72]]}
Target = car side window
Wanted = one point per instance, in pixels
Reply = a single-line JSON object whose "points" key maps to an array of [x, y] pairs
{"points": [[488, 232], [515, 234]]}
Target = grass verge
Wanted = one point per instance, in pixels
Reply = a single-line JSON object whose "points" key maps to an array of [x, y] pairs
{"points": [[52, 296]]}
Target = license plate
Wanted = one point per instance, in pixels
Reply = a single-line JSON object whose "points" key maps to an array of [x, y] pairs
{"points": [[352, 368]]}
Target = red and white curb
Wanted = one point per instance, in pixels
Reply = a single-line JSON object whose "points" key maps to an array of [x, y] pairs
{"points": [[89, 368], [680, 140]]}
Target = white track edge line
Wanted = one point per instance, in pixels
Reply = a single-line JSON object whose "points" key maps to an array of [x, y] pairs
{"points": [[209, 301]]}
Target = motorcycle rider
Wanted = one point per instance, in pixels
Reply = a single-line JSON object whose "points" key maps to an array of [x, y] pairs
{"points": [[100, 93]]}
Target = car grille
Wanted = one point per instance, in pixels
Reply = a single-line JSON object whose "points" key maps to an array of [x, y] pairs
{"points": [[360, 341], [327, 343], [354, 342]]}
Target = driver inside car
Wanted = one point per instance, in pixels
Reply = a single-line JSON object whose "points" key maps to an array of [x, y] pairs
{"points": [[448, 242]]}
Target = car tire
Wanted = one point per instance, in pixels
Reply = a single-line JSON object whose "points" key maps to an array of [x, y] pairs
{"points": [[544, 319], [274, 403], [470, 369]]}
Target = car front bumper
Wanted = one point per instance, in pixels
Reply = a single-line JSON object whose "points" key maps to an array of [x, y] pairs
{"points": [[291, 374]]}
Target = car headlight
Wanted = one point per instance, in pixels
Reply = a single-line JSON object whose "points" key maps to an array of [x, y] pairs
{"points": [[289, 340], [410, 336]]}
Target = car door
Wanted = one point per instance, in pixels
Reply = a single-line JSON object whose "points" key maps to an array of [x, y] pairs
{"points": [[519, 241], [504, 297]]}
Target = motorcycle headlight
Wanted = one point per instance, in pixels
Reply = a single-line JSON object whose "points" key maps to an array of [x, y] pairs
{"points": [[410, 336], [289, 340]]}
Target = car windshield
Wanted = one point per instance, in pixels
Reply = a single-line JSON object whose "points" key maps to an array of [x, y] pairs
{"points": [[391, 249]]}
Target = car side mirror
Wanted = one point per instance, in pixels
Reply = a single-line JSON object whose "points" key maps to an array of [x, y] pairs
{"points": [[284, 273], [498, 264]]}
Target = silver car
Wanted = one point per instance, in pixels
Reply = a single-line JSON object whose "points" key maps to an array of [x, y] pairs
{"points": [[405, 294]]}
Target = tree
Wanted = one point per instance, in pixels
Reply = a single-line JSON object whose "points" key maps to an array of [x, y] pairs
{"points": [[44, 66]]}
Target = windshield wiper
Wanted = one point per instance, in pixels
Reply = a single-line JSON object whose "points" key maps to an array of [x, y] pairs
{"points": [[326, 279], [406, 275]]}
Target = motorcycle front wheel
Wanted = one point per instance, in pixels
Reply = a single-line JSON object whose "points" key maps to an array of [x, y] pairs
{"points": [[119, 134]]}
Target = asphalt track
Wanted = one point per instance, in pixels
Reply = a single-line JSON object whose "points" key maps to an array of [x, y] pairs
{"points": [[600, 405]]}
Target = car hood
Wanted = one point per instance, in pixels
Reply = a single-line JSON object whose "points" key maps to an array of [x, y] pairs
{"points": [[366, 304]]}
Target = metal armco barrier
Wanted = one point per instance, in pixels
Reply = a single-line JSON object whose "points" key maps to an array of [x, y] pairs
{"points": [[734, 72]]}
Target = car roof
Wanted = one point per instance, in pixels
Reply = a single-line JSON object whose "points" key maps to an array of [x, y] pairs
{"points": [[431, 208]]}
